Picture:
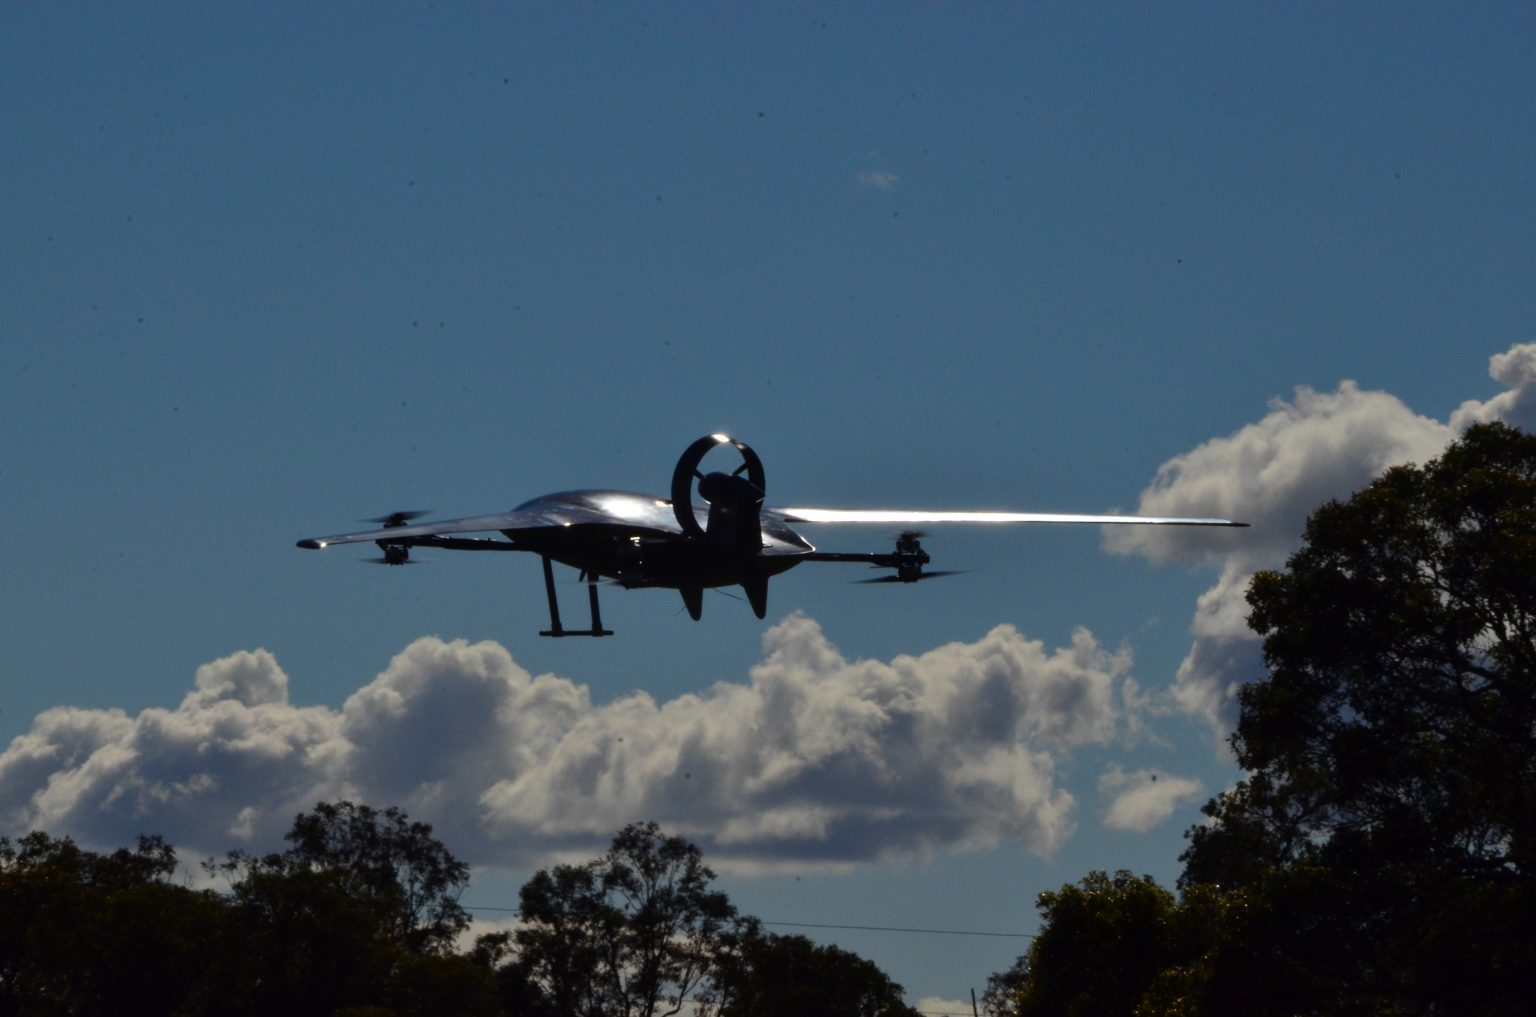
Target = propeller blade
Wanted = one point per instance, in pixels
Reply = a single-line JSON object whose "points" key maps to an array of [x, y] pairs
{"points": [[386, 561], [399, 518], [921, 576]]}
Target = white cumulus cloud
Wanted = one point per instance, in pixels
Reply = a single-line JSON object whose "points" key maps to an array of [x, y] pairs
{"points": [[1273, 473], [814, 761], [1515, 369]]}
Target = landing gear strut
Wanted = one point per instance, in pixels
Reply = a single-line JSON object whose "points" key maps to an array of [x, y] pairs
{"points": [[555, 628]]}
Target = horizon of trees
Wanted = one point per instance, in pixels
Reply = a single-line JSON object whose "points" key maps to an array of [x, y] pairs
{"points": [[360, 915]]}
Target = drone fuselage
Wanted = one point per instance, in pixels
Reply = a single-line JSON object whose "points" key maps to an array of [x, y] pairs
{"points": [[635, 540]]}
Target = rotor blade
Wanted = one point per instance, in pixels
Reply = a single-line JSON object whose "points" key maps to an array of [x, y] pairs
{"points": [[924, 575], [905, 517], [399, 518]]}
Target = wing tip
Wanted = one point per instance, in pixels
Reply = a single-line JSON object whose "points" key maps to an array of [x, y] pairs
{"points": [[311, 544]]}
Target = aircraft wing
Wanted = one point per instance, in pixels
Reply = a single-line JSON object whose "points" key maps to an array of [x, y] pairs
{"points": [[514, 520], [904, 517]]}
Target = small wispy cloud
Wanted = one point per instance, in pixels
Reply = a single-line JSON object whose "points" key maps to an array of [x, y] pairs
{"points": [[880, 180], [1144, 799]]}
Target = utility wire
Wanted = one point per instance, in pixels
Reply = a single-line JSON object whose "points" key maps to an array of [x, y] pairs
{"points": [[828, 925], [895, 928], [861, 928]]}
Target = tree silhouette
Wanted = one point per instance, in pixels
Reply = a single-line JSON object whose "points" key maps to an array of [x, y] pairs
{"points": [[88, 933], [361, 910], [1392, 748], [635, 933], [790, 976], [360, 916], [1378, 856], [386, 857]]}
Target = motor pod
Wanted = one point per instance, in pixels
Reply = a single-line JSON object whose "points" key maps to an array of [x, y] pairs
{"points": [[734, 501]]}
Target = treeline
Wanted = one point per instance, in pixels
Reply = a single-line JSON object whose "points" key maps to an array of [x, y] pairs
{"points": [[360, 915], [1380, 855]]}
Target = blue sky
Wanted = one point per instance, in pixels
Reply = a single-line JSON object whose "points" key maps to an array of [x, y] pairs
{"points": [[269, 269]]}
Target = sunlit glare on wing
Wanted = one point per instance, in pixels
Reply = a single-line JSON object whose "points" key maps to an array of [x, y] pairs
{"points": [[904, 516]]}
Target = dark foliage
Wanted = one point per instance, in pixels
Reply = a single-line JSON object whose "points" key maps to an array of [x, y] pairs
{"points": [[790, 976], [632, 934], [1392, 748], [381, 858], [1378, 857], [360, 916], [85, 933], [1102, 943]]}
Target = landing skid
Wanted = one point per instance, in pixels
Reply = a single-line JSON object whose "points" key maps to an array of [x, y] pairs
{"points": [[555, 628]]}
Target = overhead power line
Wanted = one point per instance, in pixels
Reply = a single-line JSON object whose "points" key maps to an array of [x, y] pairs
{"points": [[897, 928], [829, 925]]}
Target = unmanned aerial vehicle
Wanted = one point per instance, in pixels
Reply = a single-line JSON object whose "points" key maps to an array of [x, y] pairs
{"points": [[643, 540]]}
